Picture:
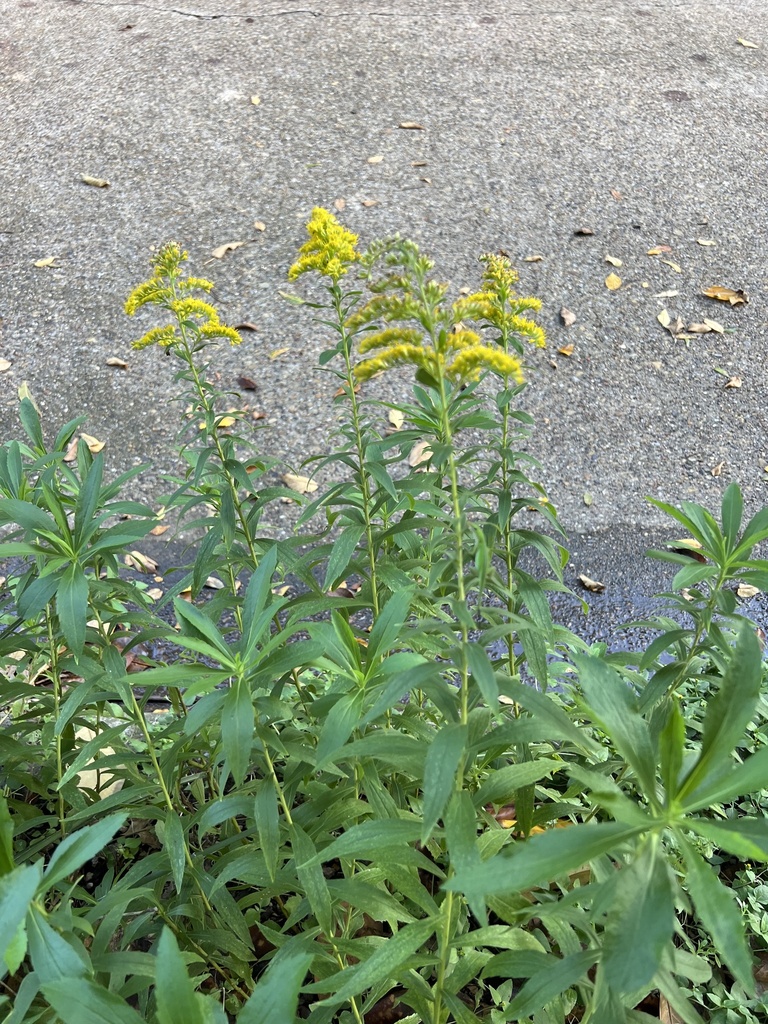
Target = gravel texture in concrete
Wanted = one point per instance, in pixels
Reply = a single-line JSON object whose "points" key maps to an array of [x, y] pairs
{"points": [[643, 122]]}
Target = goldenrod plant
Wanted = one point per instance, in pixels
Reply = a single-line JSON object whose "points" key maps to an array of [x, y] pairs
{"points": [[392, 788]]}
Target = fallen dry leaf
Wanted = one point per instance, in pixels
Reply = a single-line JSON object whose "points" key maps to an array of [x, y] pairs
{"points": [[567, 317], [612, 282], [158, 531], [566, 350], [746, 590], [247, 384], [746, 42], [699, 328], [412, 125], [659, 249], [666, 1014], [213, 583], [5, 364], [718, 469], [259, 225], [222, 250], [583, 231], [49, 261], [675, 266], [664, 318], [277, 352], [396, 418], [300, 484], [96, 182], [369, 202], [592, 585], [255, 100], [734, 296], [93, 443], [427, 181], [616, 194], [419, 163], [246, 325], [282, 590], [258, 415], [116, 361], [734, 382], [155, 593], [340, 204], [706, 241], [713, 325], [226, 421], [666, 295], [613, 261], [536, 258], [138, 560], [420, 453], [344, 390], [587, 499], [375, 159]]}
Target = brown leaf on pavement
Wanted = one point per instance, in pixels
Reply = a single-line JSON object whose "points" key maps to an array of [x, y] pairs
{"points": [[594, 586], [119, 363], [247, 384], [300, 484], [568, 317], [583, 231], [612, 282], [412, 126], [734, 296], [222, 250], [95, 182]]}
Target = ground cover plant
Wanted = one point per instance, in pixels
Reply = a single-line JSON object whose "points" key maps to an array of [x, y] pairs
{"points": [[351, 810]]}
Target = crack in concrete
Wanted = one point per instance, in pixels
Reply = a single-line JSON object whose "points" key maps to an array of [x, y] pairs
{"points": [[202, 16]]}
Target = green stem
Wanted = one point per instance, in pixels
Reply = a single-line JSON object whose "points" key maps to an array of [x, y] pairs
{"points": [[56, 679], [365, 487]]}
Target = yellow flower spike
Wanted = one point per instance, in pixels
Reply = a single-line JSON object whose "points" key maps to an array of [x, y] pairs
{"points": [[163, 336], [396, 355], [330, 249], [470, 363], [190, 308], [390, 336]]}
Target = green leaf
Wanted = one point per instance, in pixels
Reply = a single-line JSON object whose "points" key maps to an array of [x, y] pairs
{"points": [[197, 626], [384, 963], [268, 824], [444, 756], [544, 710], [79, 1001], [7, 860], [53, 958], [640, 922], [343, 717], [731, 513], [72, 607], [729, 711], [237, 729], [718, 911], [87, 503], [370, 837], [672, 748], [311, 876], [546, 856], [343, 548], [30, 421], [173, 844], [81, 846], [174, 991], [482, 673], [257, 597], [28, 516], [275, 998], [17, 890], [386, 629], [726, 784], [501, 785], [615, 709], [547, 984], [746, 838]]}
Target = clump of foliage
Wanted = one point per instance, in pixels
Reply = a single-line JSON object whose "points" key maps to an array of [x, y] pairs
{"points": [[353, 811]]}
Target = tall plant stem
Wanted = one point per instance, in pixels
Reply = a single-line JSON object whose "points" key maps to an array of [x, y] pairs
{"points": [[357, 425], [56, 677]]}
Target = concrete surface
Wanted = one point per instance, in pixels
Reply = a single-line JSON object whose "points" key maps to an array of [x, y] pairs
{"points": [[534, 115]]}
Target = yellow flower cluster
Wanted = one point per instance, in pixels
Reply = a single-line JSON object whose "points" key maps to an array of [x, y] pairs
{"points": [[460, 355], [169, 290], [330, 249], [498, 304]]}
